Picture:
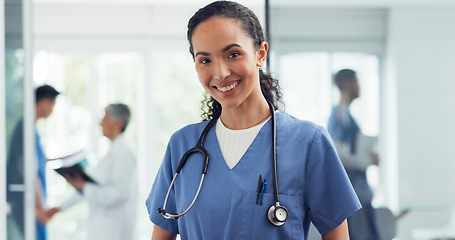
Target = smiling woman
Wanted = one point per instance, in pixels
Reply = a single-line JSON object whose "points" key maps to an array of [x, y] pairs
{"points": [[250, 139]]}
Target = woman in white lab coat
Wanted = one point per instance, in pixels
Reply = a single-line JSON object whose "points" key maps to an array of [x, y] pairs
{"points": [[112, 200]]}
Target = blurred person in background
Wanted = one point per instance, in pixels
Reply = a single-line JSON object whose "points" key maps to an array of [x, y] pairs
{"points": [[112, 197], [45, 97], [347, 137]]}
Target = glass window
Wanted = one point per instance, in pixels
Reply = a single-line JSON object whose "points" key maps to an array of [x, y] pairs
{"points": [[17, 218], [309, 92], [14, 85]]}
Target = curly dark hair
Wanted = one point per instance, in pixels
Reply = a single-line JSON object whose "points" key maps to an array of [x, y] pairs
{"points": [[269, 86]]}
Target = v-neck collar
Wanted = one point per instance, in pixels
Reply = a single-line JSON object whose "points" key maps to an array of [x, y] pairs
{"points": [[246, 136], [259, 152], [244, 160]]}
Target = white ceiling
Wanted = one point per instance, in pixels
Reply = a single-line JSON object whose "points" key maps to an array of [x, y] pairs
{"points": [[252, 3], [362, 3], [255, 3]]}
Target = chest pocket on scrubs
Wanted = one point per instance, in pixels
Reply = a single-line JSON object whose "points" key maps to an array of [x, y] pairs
{"points": [[260, 227]]}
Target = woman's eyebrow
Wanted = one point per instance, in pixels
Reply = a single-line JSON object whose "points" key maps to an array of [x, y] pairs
{"points": [[225, 49], [202, 53]]}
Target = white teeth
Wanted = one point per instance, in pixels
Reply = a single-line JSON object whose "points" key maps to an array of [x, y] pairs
{"points": [[228, 88]]}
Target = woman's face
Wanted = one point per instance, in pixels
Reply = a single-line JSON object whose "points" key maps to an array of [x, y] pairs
{"points": [[227, 62]]}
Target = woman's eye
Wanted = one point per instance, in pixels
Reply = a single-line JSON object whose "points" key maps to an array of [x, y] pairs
{"points": [[233, 55], [205, 61]]}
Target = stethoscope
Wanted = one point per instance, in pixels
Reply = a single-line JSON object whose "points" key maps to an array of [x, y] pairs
{"points": [[277, 214]]}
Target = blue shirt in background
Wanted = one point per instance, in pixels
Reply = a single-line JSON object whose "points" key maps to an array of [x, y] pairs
{"points": [[342, 126], [41, 231]]}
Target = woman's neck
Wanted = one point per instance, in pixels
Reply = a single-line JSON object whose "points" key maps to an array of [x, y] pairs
{"points": [[245, 115]]}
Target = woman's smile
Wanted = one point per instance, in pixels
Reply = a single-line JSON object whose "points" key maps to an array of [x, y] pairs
{"points": [[227, 89]]}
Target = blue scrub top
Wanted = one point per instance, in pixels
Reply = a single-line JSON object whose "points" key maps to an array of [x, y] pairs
{"points": [[41, 231], [42, 160], [312, 185], [343, 130]]}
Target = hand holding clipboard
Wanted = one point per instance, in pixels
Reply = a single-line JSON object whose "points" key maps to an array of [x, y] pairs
{"points": [[72, 169]]}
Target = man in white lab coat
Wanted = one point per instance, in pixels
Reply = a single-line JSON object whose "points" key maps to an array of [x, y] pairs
{"points": [[112, 199]]}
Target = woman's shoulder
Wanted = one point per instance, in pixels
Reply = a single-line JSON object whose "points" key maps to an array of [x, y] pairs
{"points": [[300, 130], [189, 131], [291, 123]]}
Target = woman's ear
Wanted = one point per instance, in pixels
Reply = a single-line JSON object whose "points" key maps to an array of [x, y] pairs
{"points": [[261, 54]]}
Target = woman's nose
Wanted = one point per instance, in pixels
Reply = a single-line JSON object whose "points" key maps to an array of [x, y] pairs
{"points": [[221, 70]]}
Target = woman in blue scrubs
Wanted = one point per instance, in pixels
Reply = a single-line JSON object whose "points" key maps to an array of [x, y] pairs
{"points": [[228, 47]]}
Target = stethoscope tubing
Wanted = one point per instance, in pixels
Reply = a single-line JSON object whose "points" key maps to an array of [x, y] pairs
{"points": [[176, 216], [199, 148], [275, 178]]}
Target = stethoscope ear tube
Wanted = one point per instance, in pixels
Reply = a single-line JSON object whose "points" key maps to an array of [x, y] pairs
{"points": [[191, 151]]}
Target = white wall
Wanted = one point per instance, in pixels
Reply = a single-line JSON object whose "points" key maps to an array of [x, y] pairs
{"points": [[319, 29], [106, 28], [421, 56], [112, 27]]}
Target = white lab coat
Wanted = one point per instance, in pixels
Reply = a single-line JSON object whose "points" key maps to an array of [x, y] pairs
{"points": [[112, 202]]}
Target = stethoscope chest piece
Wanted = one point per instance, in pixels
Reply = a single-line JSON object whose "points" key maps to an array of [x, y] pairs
{"points": [[277, 215]]}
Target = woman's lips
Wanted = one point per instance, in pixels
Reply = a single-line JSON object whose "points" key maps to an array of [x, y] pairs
{"points": [[227, 88]]}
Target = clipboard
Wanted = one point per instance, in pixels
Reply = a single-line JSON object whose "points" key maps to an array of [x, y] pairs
{"points": [[362, 158], [72, 165], [366, 146], [73, 171]]}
